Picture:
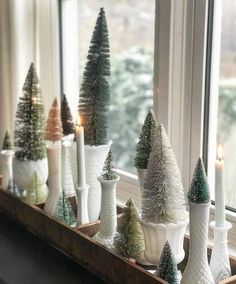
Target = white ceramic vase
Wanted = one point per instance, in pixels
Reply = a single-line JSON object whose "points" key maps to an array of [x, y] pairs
{"points": [[197, 270], [156, 235], [67, 182], [24, 170], [95, 157], [219, 264], [6, 157], [108, 214], [54, 177]]}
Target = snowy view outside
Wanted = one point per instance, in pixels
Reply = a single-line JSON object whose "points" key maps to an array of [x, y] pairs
{"points": [[131, 33], [227, 99]]}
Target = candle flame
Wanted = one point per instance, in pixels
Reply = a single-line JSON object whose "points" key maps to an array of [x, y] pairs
{"points": [[220, 152], [78, 121]]}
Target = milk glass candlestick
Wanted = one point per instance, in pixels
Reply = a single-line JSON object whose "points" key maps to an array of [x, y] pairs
{"points": [[219, 190], [81, 178]]}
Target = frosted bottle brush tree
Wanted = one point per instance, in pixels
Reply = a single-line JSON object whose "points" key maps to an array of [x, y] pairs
{"points": [[108, 172], [7, 145], [146, 141], [163, 197], [66, 117], [95, 88], [29, 125], [128, 240]]}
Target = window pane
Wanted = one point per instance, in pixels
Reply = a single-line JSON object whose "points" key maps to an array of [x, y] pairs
{"points": [[226, 128], [131, 33]]}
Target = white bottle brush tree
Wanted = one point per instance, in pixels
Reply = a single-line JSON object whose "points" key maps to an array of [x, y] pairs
{"points": [[128, 241], [163, 196]]}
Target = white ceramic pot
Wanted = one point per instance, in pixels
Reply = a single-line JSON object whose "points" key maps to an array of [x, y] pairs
{"points": [[95, 157], [156, 235], [54, 177], [24, 170], [108, 214], [197, 270], [6, 158]]}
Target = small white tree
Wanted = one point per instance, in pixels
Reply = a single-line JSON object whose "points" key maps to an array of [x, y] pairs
{"points": [[163, 196]]}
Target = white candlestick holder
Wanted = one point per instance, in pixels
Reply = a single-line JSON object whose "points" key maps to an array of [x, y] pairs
{"points": [[82, 204], [219, 264]]}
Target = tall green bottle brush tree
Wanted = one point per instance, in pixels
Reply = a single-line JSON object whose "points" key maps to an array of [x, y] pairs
{"points": [[95, 89], [29, 125]]}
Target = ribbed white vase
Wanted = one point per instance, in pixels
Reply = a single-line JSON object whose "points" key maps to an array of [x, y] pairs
{"points": [[24, 170], [67, 183], [156, 235], [7, 156], [197, 270], [108, 214], [219, 264], [54, 177], [95, 157]]}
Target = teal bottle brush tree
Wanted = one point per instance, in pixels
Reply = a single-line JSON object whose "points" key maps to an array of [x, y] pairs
{"points": [[144, 147], [30, 150], [197, 269], [108, 216], [94, 100], [163, 212]]}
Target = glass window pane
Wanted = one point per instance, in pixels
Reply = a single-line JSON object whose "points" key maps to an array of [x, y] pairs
{"points": [[131, 33], [226, 128]]}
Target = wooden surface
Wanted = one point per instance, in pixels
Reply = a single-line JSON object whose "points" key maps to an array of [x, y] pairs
{"points": [[75, 244]]}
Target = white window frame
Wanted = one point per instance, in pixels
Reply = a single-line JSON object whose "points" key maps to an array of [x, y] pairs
{"points": [[179, 85]]}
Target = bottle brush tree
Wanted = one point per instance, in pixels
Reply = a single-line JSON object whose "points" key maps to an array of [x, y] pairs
{"points": [[167, 269], [54, 130], [29, 124], [146, 141], [66, 117], [7, 145], [129, 241], [95, 89], [64, 211], [108, 172], [163, 196], [199, 189]]}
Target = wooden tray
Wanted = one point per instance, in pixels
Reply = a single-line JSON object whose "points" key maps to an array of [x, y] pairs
{"points": [[79, 246]]}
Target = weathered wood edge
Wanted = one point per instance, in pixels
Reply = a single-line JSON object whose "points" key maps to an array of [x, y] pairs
{"points": [[75, 244]]}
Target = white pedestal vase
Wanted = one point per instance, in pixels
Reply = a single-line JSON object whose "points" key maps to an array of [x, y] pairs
{"points": [[156, 235], [94, 161], [197, 270], [54, 177], [108, 214], [82, 205], [67, 182], [6, 157], [24, 170], [219, 264]]}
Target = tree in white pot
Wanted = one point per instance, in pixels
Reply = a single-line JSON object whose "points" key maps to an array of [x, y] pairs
{"points": [[30, 151], [163, 213], [108, 216], [144, 146], [94, 103]]}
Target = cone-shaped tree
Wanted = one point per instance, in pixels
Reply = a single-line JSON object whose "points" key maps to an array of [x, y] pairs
{"points": [[163, 196], [129, 241], [29, 125], [6, 145], [54, 126], [167, 269], [66, 117], [64, 211], [108, 172], [199, 189], [95, 89], [146, 141]]}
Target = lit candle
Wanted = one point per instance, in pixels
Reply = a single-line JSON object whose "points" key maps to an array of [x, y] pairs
{"points": [[219, 190], [81, 179]]}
